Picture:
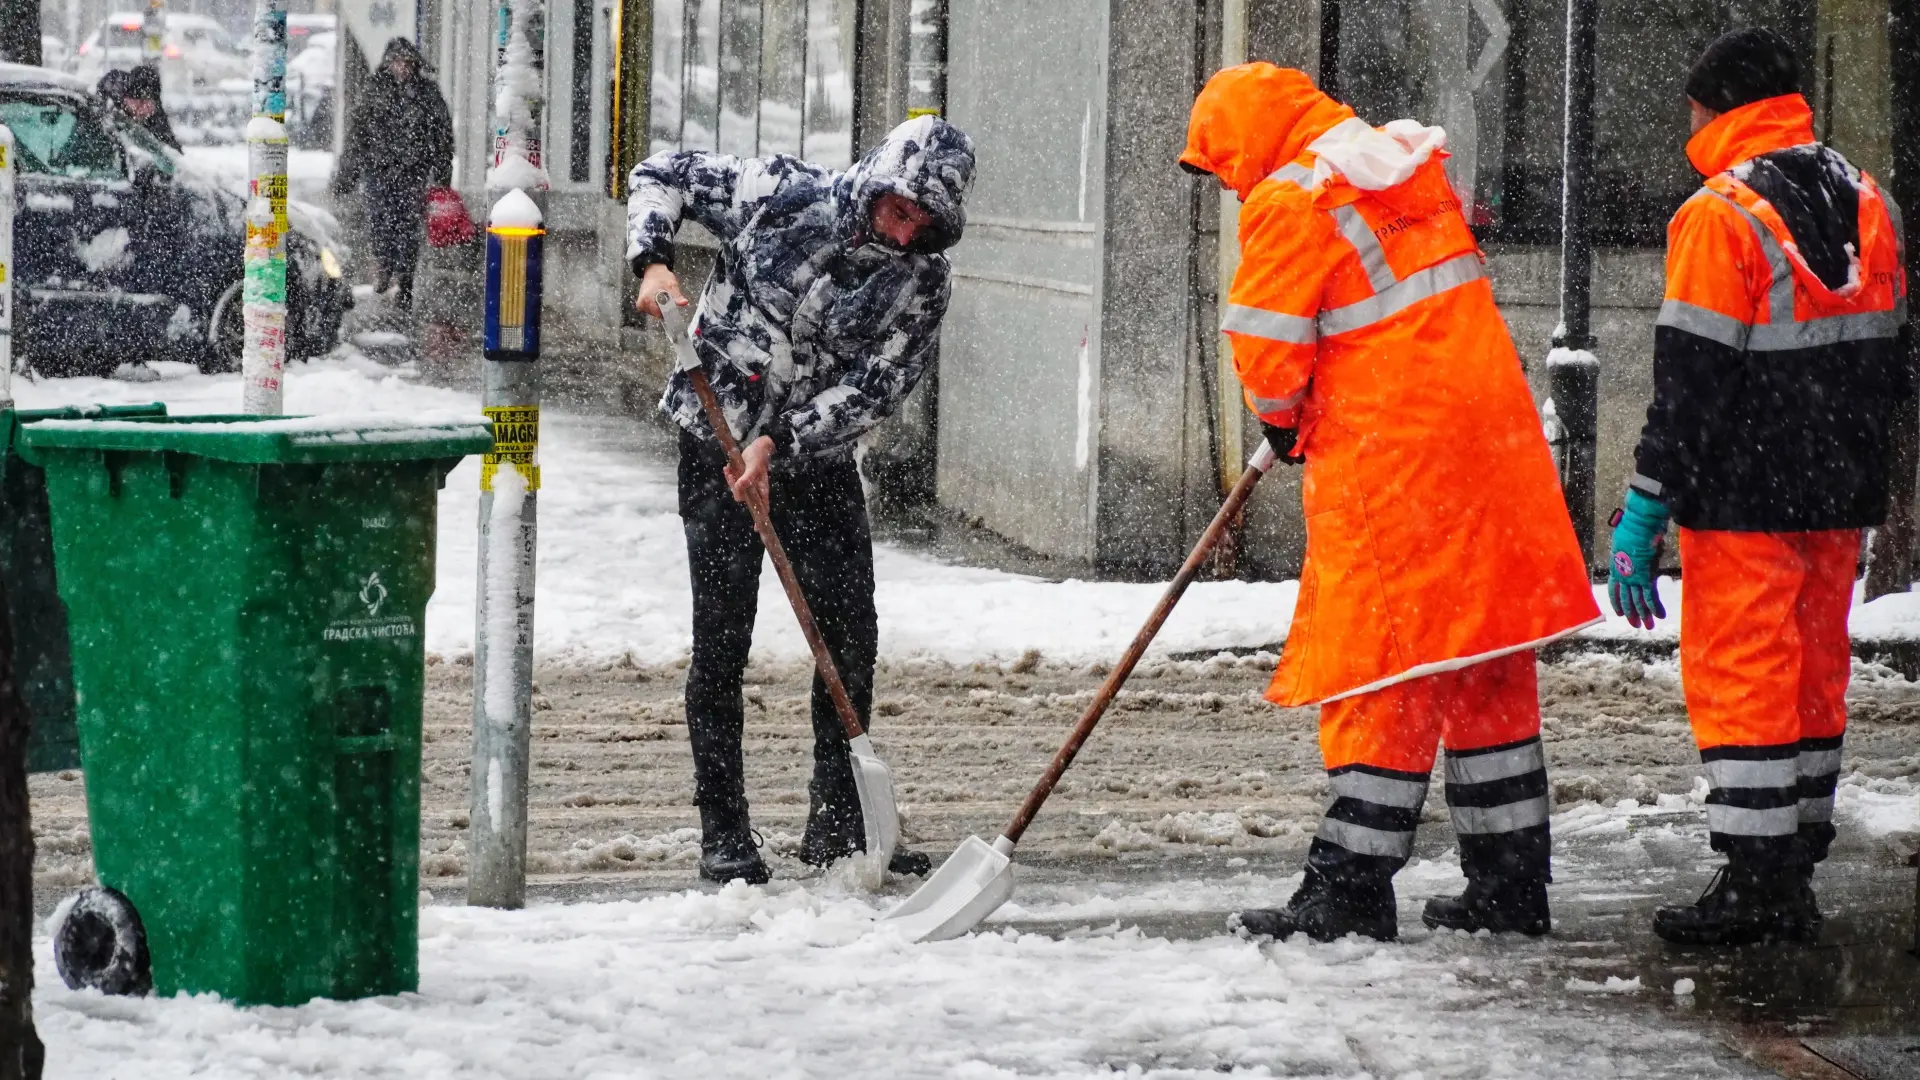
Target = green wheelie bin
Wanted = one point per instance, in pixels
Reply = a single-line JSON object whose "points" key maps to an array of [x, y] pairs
{"points": [[41, 661], [246, 600]]}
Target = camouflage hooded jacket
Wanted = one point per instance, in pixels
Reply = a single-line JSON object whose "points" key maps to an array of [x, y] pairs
{"points": [[812, 328]]}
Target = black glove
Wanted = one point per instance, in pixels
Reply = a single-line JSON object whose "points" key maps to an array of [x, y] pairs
{"points": [[1282, 440]]}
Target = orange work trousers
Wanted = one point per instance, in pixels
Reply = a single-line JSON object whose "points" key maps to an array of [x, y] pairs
{"points": [[1401, 727], [1380, 747], [1764, 662]]}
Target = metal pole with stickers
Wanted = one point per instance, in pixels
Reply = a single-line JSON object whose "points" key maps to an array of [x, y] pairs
{"points": [[6, 267], [510, 474], [263, 295]]}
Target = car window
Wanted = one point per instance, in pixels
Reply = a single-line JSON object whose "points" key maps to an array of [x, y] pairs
{"points": [[144, 140], [56, 138], [124, 33]]}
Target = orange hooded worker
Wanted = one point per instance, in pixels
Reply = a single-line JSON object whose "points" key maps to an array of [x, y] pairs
{"points": [[1439, 551], [1775, 373]]}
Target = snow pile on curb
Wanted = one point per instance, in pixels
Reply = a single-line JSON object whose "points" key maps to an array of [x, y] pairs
{"points": [[783, 981]]}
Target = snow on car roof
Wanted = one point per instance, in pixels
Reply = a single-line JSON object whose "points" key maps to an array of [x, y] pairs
{"points": [[25, 75]]}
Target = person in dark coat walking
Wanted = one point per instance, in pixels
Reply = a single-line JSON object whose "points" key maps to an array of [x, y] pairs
{"points": [[824, 312], [399, 143], [136, 95]]}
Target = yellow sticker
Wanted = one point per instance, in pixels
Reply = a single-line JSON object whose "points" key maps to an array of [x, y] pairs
{"points": [[516, 442], [3, 157]]}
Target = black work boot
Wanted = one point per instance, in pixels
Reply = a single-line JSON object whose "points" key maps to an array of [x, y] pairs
{"points": [[1744, 905], [1498, 905], [727, 849], [835, 832], [1326, 909]]}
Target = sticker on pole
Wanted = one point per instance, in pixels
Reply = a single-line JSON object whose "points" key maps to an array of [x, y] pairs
{"points": [[516, 442]]}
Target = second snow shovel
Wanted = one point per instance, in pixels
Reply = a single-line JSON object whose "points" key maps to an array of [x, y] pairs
{"points": [[878, 812], [977, 878]]}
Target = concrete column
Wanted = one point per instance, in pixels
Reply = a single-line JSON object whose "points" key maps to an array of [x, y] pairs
{"points": [[1143, 327]]}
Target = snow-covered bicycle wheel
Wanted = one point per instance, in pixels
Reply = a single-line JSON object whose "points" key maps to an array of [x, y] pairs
{"points": [[99, 943]]}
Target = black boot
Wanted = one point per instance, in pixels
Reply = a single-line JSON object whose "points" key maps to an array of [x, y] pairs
{"points": [[1743, 905], [1809, 901], [403, 296], [1326, 909], [834, 832], [1498, 905], [727, 849]]}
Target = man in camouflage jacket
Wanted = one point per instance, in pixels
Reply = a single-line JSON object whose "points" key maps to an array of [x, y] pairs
{"points": [[820, 317]]}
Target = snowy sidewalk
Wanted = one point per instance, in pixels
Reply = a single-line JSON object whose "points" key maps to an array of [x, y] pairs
{"points": [[613, 577], [783, 982], [613, 570]]}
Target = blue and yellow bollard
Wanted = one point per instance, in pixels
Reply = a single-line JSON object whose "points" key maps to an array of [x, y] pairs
{"points": [[515, 235]]}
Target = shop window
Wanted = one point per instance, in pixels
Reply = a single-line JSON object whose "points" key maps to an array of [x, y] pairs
{"points": [[1492, 73], [755, 77]]}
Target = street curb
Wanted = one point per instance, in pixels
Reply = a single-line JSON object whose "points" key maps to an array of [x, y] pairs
{"points": [[1901, 655]]}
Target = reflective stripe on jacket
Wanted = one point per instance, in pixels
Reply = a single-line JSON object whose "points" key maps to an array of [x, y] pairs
{"points": [[1436, 533], [1775, 356]]}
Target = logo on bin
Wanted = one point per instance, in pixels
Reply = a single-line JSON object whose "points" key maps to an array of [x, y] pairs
{"points": [[373, 594]]}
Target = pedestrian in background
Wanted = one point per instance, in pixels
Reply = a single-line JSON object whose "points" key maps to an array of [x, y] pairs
{"points": [[136, 95], [399, 144], [1775, 374], [1439, 551]]}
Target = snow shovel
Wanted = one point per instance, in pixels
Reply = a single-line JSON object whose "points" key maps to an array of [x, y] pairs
{"points": [[878, 812], [978, 877]]}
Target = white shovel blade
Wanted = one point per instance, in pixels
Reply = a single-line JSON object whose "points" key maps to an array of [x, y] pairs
{"points": [[967, 888], [878, 811]]}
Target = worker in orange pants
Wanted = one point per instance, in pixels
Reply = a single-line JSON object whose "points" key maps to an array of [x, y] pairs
{"points": [[1439, 551], [1379, 750], [1776, 367]]}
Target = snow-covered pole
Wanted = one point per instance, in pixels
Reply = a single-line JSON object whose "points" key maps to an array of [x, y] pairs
{"points": [[1573, 373], [153, 29], [6, 267], [263, 358], [510, 475]]}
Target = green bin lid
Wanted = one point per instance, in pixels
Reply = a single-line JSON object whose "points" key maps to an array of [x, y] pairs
{"points": [[271, 440]]}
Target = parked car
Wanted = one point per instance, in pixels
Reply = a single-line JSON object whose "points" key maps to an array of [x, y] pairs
{"points": [[124, 252], [310, 78], [54, 53], [302, 28], [196, 51]]}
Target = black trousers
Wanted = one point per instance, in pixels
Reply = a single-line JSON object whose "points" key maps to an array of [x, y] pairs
{"points": [[820, 514], [396, 222]]}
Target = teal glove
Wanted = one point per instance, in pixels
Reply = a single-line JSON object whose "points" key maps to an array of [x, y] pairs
{"points": [[1638, 528]]}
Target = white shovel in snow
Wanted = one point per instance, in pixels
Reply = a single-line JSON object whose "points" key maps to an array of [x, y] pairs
{"points": [[978, 877], [878, 811]]}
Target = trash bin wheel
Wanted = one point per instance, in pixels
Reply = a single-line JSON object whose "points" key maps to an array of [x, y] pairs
{"points": [[101, 944]]}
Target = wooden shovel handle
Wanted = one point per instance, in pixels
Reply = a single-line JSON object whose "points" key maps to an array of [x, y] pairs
{"points": [[1229, 510], [763, 524]]}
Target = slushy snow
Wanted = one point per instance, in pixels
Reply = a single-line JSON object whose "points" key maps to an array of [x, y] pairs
{"points": [[785, 981]]}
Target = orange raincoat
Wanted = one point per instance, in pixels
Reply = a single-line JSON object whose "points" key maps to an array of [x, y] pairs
{"points": [[1437, 537]]}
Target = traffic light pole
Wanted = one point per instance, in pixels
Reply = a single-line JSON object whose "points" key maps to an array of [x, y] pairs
{"points": [[1573, 373], [510, 475]]}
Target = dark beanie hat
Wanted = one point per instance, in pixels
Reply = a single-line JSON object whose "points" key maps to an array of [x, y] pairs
{"points": [[143, 82], [1743, 67]]}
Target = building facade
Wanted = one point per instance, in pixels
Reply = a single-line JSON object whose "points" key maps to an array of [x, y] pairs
{"points": [[1084, 406]]}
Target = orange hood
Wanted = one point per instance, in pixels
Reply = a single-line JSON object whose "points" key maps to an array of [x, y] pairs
{"points": [[1745, 133], [1254, 118]]}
